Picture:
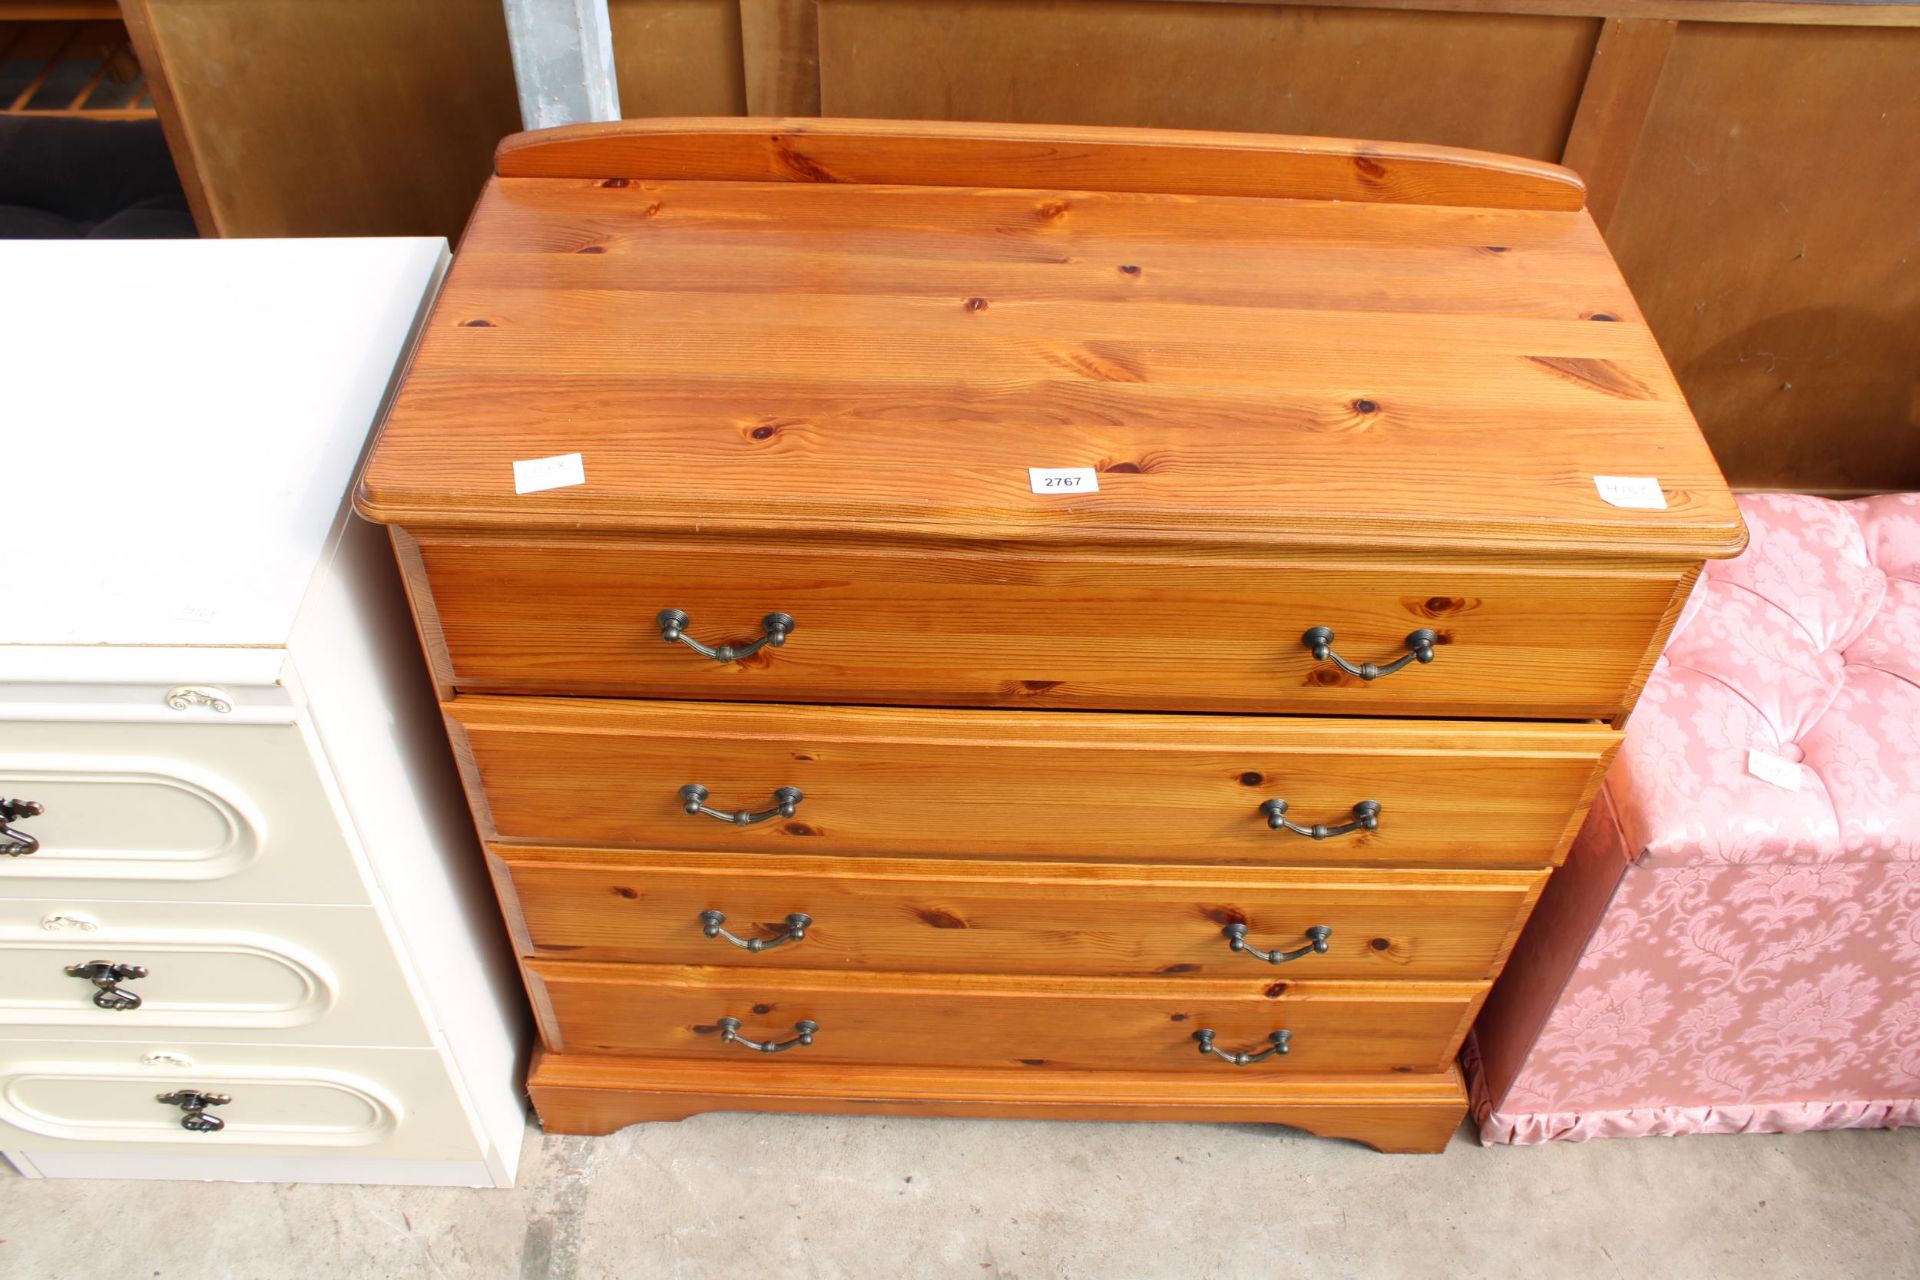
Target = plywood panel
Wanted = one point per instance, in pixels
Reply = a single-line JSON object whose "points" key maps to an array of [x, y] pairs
{"points": [[678, 57], [1495, 81], [355, 117], [1768, 227]]}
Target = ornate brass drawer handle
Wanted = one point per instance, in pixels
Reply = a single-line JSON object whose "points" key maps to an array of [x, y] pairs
{"points": [[1282, 1044], [730, 1034], [193, 1104], [1317, 937], [693, 798], [1366, 817], [15, 843], [796, 931], [673, 629], [1419, 649], [106, 976]]}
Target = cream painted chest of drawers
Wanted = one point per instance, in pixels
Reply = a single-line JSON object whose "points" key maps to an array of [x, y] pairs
{"points": [[990, 620], [244, 932]]}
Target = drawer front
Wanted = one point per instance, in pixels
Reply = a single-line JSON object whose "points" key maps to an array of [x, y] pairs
{"points": [[1013, 784], [225, 812], [269, 974], [1062, 1023], [70, 1098], [983, 917], [1003, 627]]}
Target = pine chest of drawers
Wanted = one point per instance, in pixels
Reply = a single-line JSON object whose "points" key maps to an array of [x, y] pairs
{"points": [[1039, 622]]}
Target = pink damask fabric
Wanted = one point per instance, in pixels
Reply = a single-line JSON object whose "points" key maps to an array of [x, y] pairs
{"points": [[1758, 964]]}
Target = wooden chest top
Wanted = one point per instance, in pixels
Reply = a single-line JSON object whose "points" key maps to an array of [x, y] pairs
{"points": [[826, 328]]}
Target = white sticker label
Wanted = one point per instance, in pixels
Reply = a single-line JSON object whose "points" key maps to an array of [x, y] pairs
{"points": [[536, 474], [1063, 479], [1781, 773], [1638, 493]]}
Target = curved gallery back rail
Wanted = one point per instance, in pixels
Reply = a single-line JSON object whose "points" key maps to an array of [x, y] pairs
{"points": [[810, 369]]}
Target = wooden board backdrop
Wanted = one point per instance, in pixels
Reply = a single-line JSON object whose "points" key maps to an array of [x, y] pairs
{"points": [[1754, 165]]}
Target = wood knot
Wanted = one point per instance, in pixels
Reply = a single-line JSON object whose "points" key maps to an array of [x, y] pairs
{"points": [[763, 1009], [476, 324], [1252, 779], [1129, 269], [1369, 169], [1177, 1017], [1493, 248], [617, 182], [1380, 944], [976, 304], [591, 248], [622, 891], [1326, 677], [1052, 208], [1040, 686], [1605, 317], [1275, 990], [1027, 1062], [1224, 916], [1364, 406], [1441, 606], [799, 829], [765, 433], [940, 918], [1179, 968]]}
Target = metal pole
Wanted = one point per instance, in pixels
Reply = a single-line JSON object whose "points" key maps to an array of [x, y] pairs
{"points": [[562, 61]]}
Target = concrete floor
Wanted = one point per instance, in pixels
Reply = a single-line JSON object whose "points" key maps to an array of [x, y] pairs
{"points": [[788, 1197]]}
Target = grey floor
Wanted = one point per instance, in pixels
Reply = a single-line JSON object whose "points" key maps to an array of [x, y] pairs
{"points": [[776, 1198]]}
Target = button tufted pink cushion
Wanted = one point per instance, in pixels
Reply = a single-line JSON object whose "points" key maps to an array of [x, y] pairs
{"points": [[1807, 647]]}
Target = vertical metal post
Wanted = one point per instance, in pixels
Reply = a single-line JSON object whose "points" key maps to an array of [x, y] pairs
{"points": [[562, 61]]}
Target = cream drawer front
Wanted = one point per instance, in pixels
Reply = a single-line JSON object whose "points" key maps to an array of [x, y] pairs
{"points": [[267, 974], [374, 1102], [228, 812]]}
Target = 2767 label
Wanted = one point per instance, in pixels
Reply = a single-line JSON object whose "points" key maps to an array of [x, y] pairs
{"points": [[1063, 479]]}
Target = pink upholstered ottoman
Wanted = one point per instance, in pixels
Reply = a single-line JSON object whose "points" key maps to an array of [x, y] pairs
{"points": [[1734, 942]]}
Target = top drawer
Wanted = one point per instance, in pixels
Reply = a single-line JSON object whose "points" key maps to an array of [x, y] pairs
{"points": [[1192, 631]]}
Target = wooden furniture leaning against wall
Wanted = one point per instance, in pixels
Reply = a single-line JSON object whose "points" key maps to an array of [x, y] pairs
{"points": [[833, 758]]}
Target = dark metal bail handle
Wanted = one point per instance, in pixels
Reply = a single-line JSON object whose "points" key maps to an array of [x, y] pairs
{"points": [[796, 931], [786, 800], [1366, 817], [193, 1103], [1281, 1045], [15, 843], [106, 976], [730, 1034], [1419, 649], [673, 629], [1317, 939]]}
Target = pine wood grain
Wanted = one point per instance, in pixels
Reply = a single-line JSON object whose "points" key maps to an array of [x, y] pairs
{"points": [[795, 358], [592, 1094], [955, 916], [1151, 628], [1016, 784], [1063, 157], [993, 1020]]}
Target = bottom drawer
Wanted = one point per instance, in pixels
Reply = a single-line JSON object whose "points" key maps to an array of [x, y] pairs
{"points": [[998, 1021], [57, 1096]]}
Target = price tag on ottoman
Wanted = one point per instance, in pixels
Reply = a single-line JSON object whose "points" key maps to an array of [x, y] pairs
{"points": [[536, 475], [1781, 773], [1063, 479]]}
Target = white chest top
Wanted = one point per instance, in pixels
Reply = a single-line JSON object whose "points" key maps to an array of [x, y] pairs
{"points": [[178, 429]]}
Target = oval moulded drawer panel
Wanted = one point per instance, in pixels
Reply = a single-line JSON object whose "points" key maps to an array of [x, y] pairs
{"points": [[226, 812], [64, 1097], [241, 973], [1011, 627], [1002, 1021], [1011, 784], [982, 917]]}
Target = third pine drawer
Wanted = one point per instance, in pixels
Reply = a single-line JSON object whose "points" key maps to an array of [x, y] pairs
{"points": [[757, 911], [1066, 785]]}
